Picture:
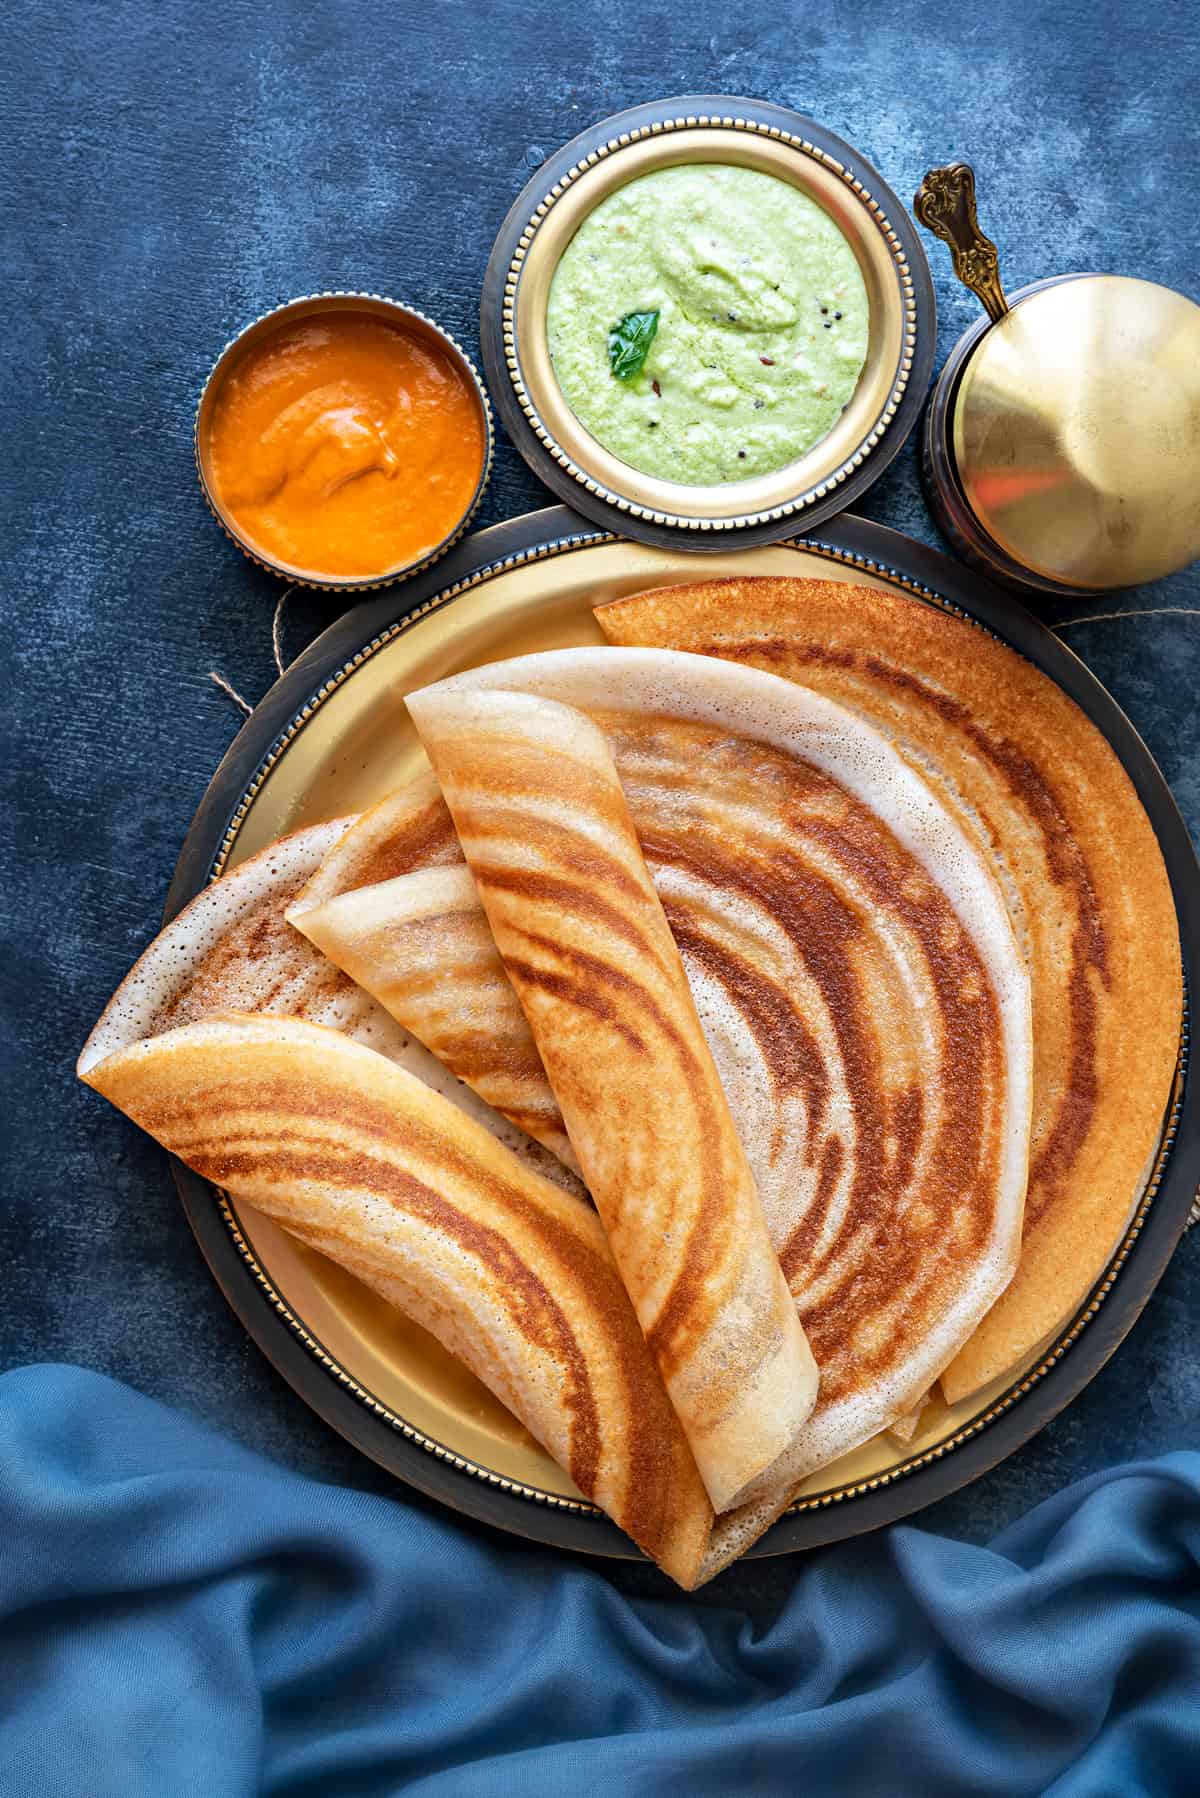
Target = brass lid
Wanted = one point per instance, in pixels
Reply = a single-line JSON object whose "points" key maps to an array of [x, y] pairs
{"points": [[1076, 421]]}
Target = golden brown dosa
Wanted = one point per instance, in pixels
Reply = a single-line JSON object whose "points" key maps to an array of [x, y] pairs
{"points": [[872, 1039], [1033, 781], [546, 832], [362, 1161], [232, 949]]}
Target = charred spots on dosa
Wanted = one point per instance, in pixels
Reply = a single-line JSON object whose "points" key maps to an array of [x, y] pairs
{"points": [[236, 973], [424, 841], [905, 1116], [540, 887], [530, 977], [475, 1053], [264, 932]]}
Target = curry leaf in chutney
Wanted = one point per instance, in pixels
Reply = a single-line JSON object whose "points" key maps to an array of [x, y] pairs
{"points": [[629, 343]]}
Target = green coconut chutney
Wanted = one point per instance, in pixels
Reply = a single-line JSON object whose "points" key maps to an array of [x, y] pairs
{"points": [[761, 331]]}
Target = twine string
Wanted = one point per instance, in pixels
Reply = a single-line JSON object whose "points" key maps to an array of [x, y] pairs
{"points": [[277, 629], [1066, 624], [281, 666], [219, 680]]}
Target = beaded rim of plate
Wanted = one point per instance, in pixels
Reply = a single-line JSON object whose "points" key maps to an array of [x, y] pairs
{"points": [[653, 515], [463, 1464]]}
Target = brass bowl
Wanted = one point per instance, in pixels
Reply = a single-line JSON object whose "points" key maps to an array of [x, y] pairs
{"points": [[772, 141], [412, 321], [1062, 440], [1051, 464]]}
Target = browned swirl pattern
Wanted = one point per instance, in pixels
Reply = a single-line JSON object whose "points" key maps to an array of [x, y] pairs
{"points": [[810, 938], [364, 1163], [547, 834], [1038, 787], [853, 1025]]}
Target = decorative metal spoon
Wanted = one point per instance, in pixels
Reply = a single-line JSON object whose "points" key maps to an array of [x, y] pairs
{"points": [[945, 205]]}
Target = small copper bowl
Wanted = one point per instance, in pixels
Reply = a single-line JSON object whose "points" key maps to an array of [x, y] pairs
{"points": [[417, 325]]}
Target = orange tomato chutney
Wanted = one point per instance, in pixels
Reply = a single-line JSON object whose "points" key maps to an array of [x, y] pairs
{"points": [[343, 445]]}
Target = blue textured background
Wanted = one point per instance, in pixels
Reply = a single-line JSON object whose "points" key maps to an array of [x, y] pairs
{"points": [[172, 170]]}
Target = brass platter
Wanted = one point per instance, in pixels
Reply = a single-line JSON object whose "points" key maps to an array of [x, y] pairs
{"points": [[774, 141], [332, 737]]}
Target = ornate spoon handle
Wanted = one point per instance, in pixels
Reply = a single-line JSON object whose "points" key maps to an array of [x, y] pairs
{"points": [[945, 205]]}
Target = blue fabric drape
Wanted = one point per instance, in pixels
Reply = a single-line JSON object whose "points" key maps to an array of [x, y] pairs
{"points": [[177, 1616]]}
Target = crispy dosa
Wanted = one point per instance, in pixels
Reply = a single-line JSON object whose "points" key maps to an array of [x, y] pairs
{"points": [[421, 945], [407, 829], [857, 978], [1036, 785], [364, 1162], [546, 832], [231, 949]]}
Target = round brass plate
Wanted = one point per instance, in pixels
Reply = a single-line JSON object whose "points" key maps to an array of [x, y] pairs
{"points": [[334, 736], [1076, 431], [774, 142]]}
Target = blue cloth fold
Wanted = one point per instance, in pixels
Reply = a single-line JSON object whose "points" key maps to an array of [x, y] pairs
{"points": [[178, 1616]]}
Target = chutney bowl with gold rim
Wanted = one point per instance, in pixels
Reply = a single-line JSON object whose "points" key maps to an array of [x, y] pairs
{"points": [[708, 129]]}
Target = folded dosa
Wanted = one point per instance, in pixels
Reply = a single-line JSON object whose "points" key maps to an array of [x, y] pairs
{"points": [[231, 949], [546, 832], [407, 829], [362, 1161], [421, 945], [1036, 785], [863, 998]]}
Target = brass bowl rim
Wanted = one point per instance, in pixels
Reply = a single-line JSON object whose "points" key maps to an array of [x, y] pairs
{"points": [[791, 511], [311, 577]]}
